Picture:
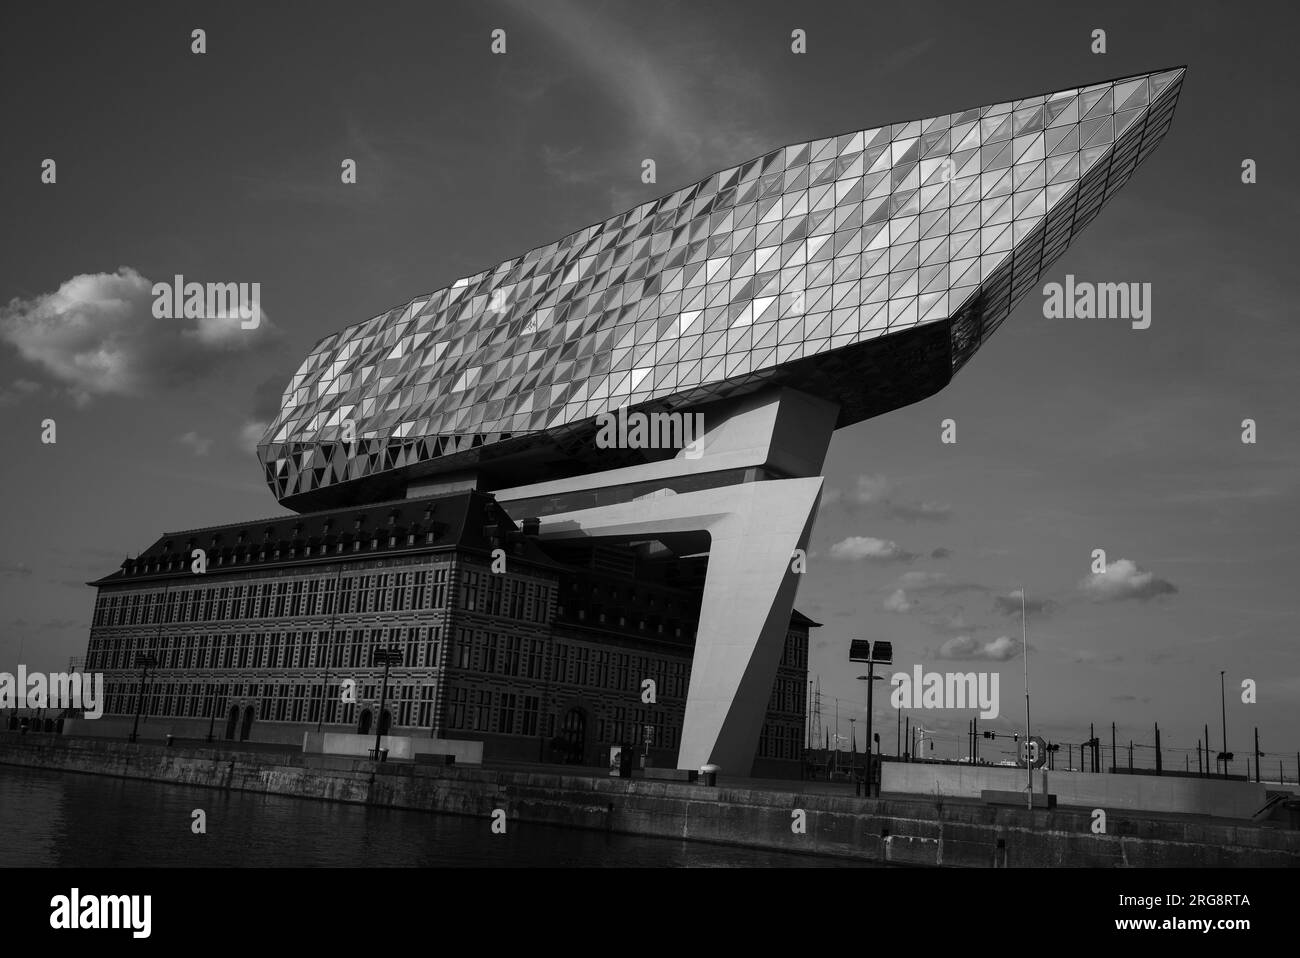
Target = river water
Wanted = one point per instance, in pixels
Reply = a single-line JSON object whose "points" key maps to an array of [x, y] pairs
{"points": [[64, 819]]}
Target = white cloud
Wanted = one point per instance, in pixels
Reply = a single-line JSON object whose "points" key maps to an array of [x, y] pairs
{"points": [[97, 335], [897, 601], [964, 647], [195, 443], [1124, 580], [879, 495], [858, 548]]}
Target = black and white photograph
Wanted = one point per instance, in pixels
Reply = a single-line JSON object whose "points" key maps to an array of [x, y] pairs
{"points": [[755, 439]]}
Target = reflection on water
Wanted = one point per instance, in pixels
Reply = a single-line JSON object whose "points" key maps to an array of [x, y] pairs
{"points": [[50, 818]]}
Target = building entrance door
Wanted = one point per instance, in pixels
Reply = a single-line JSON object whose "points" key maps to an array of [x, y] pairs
{"points": [[573, 734]]}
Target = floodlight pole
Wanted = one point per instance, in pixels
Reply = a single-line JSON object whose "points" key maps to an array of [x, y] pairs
{"points": [[871, 683]]}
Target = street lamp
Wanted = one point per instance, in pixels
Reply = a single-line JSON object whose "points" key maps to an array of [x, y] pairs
{"points": [[144, 662], [860, 650], [384, 657], [212, 715]]}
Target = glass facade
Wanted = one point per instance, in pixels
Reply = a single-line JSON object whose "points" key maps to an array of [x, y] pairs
{"points": [[804, 254]]}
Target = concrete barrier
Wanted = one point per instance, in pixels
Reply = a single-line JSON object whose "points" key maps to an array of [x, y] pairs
{"points": [[399, 746], [1189, 796]]}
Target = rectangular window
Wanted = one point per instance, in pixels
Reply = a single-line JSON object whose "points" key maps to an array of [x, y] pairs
{"points": [[506, 717], [483, 710], [458, 698]]}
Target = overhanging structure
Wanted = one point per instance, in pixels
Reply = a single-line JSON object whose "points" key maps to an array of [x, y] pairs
{"points": [[805, 290]]}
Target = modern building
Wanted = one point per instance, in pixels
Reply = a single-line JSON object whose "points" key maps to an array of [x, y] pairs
{"points": [[747, 316]]}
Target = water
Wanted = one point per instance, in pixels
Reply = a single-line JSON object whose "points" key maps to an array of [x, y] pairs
{"points": [[64, 819]]}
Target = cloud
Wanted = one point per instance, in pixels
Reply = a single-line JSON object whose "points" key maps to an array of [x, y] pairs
{"points": [[950, 624], [97, 335], [964, 647], [858, 548], [1124, 580], [940, 553], [1009, 604], [879, 496], [14, 570], [195, 443], [251, 433], [17, 391], [897, 601]]}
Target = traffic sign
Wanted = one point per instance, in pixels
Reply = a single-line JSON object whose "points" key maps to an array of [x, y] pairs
{"points": [[1033, 751]]}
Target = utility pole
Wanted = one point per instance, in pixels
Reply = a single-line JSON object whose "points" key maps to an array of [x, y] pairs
{"points": [[1029, 766], [1258, 753], [1198, 757], [908, 753], [1114, 756], [1223, 702], [1207, 749], [1130, 756], [1159, 763]]}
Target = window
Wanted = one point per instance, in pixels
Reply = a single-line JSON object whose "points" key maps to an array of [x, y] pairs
{"points": [[506, 717], [458, 698], [482, 709]]}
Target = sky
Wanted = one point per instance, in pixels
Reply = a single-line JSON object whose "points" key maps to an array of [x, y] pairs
{"points": [[1072, 434]]}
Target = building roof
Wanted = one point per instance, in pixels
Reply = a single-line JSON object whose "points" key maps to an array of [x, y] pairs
{"points": [[797, 618], [864, 268], [465, 521]]}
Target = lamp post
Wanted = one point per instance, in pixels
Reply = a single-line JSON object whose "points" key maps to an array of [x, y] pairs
{"points": [[145, 662], [860, 650], [384, 657]]}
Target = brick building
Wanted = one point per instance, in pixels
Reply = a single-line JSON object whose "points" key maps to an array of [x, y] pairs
{"points": [[543, 652]]}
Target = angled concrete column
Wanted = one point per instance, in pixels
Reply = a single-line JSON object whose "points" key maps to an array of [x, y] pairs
{"points": [[754, 528], [749, 592]]}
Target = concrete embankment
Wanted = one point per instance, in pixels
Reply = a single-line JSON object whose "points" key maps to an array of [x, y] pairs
{"points": [[911, 831]]}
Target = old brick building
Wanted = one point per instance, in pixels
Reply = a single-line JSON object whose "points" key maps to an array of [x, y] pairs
{"points": [[544, 653]]}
